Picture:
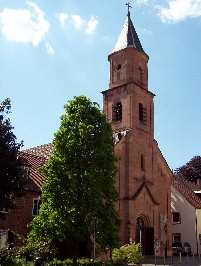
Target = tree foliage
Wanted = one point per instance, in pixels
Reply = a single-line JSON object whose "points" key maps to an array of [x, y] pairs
{"points": [[80, 180], [191, 171], [12, 178]]}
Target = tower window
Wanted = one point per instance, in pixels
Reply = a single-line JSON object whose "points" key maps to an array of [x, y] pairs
{"points": [[141, 74], [117, 112], [142, 114], [119, 67], [142, 162]]}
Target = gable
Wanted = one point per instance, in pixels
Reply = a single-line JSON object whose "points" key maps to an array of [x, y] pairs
{"points": [[144, 189]]}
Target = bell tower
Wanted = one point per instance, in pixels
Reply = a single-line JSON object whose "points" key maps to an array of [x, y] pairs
{"points": [[128, 105]]}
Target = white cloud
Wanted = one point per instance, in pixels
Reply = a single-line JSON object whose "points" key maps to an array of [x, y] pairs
{"points": [[179, 10], [49, 48], [142, 1], [88, 26], [147, 31], [78, 22], [62, 18], [23, 25], [91, 25]]}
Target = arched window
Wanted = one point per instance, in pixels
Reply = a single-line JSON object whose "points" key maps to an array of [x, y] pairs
{"points": [[117, 112], [142, 114]]}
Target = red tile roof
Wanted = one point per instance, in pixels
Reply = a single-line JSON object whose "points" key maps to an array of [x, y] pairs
{"points": [[43, 150], [36, 157], [187, 192], [36, 179]]}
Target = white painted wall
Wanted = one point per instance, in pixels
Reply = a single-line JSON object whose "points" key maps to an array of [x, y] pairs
{"points": [[198, 212], [187, 227]]}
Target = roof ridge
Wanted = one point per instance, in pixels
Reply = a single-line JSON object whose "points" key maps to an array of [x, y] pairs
{"points": [[44, 150]]}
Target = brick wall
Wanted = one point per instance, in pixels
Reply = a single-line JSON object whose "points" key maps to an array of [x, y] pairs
{"points": [[18, 219]]}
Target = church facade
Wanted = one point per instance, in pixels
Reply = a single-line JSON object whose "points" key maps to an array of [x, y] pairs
{"points": [[144, 178]]}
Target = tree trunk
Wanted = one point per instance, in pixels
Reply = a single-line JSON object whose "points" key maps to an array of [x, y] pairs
{"points": [[75, 251]]}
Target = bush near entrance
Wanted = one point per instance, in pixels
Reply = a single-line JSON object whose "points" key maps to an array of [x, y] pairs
{"points": [[127, 254]]}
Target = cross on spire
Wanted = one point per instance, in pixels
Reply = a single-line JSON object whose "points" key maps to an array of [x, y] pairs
{"points": [[128, 4]]}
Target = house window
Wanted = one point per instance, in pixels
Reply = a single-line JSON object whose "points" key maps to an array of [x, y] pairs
{"points": [[176, 238], [36, 206], [176, 218], [142, 114], [117, 112], [26, 171], [3, 238], [6, 238]]}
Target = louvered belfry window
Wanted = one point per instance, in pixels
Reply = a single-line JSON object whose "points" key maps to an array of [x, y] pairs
{"points": [[117, 112], [142, 114]]}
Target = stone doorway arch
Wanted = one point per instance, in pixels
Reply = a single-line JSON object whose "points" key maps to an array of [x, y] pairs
{"points": [[145, 234]]}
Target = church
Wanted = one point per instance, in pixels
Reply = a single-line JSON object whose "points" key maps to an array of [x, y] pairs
{"points": [[143, 179]]}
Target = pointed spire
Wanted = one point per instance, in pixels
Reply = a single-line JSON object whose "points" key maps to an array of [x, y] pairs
{"points": [[128, 36]]}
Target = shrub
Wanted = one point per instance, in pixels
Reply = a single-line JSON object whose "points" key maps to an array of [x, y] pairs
{"points": [[127, 254], [7, 258], [28, 251], [81, 262], [38, 248], [11, 257]]}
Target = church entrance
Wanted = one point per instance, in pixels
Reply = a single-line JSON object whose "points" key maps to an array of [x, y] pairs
{"points": [[145, 235]]}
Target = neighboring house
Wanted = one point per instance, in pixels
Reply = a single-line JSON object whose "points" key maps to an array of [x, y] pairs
{"points": [[27, 206], [186, 214]]}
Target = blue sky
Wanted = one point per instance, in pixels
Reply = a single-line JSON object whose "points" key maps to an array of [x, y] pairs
{"points": [[52, 51]]}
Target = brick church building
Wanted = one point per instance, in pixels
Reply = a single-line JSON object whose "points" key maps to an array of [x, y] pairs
{"points": [[144, 178]]}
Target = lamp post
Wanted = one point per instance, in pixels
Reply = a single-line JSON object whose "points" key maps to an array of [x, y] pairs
{"points": [[129, 224], [166, 231]]}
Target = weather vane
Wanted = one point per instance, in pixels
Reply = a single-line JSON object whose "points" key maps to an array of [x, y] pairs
{"points": [[128, 4]]}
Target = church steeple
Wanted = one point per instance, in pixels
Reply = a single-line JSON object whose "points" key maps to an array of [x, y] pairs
{"points": [[128, 61], [128, 36]]}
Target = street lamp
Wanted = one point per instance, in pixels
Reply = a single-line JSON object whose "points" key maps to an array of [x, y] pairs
{"points": [[129, 224], [165, 230]]}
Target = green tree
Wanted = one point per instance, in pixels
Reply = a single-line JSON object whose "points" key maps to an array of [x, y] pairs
{"points": [[80, 185], [191, 171], [12, 178]]}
